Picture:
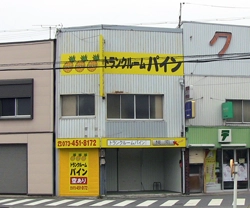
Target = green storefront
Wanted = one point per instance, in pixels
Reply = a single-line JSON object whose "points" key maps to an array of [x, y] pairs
{"points": [[209, 152]]}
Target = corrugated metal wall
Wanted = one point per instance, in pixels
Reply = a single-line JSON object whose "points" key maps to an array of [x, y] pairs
{"points": [[123, 40], [196, 39], [136, 84], [211, 92]]}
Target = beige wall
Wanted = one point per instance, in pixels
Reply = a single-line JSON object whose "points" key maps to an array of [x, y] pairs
{"points": [[15, 55], [40, 160], [26, 55], [40, 164]]}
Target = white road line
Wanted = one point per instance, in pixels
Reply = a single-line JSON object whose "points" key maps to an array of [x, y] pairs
{"points": [[124, 203], [18, 202], [80, 203], [59, 202], [240, 202], [102, 203], [39, 202], [146, 203], [169, 203], [215, 202], [192, 202], [5, 200]]}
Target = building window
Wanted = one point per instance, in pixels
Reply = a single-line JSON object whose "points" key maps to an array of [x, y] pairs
{"points": [[241, 109], [16, 99], [78, 105], [15, 107], [128, 106]]}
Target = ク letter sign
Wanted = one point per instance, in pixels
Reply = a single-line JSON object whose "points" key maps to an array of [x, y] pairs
{"points": [[227, 35]]}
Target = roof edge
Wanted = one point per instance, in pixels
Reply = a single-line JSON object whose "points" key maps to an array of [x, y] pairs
{"points": [[121, 27]]}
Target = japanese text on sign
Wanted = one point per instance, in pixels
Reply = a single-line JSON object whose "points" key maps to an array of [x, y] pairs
{"points": [[128, 143], [78, 170], [151, 63], [122, 63]]}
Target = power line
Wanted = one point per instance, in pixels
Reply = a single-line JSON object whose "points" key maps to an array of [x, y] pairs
{"points": [[219, 6], [235, 58]]}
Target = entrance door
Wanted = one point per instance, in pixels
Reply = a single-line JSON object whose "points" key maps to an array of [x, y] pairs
{"points": [[196, 178], [240, 156]]}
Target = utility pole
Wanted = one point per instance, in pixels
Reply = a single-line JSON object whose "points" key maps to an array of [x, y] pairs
{"points": [[179, 24], [234, 172]]}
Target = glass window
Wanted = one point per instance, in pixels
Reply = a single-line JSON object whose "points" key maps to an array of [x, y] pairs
{"points": [[23, 106], [127, 106], [78, 105], [246, 107], [13, 107], [86, 105], [241, 109], [134, 106], [142, 106], [156, 106], [8, 107], [114, 105], [69, 105]]}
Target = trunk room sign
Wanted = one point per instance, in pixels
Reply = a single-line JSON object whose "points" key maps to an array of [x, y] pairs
{"points": [[122, 63]]}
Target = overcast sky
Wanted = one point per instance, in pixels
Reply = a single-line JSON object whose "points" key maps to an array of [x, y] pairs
{"points": [[31, 19]]}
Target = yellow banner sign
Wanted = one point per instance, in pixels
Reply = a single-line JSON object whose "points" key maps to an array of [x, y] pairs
{"points": [[78, 166], [122, 63], [120, 142], [143, 143]]}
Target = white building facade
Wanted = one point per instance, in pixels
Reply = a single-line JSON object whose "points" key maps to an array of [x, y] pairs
{"points": [[217, 81], [119, 123]]}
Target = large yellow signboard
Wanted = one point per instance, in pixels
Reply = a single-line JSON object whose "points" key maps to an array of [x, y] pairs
{"points": [[79, 172], [122, 63]]}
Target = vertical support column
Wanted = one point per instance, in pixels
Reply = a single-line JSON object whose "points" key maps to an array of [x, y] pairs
{"points": [[101, 48], [103, 190], [187, 188]]}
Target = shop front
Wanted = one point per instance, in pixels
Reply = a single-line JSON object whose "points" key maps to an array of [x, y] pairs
{"points": [[98, 166], [145, 164], [210, 160]]}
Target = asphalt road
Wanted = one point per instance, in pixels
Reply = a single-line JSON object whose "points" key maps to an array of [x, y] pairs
{"points": [[210, 201]]}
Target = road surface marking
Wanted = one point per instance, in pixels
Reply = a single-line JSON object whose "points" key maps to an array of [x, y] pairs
{"points": [[102, 203], [39, 202], [18, 202], [80, 203], [240, 202], [6, 200], [215, 202], [124, 203], [59, 202], [192, 202], [169, 203], [146, 203]]}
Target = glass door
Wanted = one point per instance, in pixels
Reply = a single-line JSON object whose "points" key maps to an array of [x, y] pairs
{"points": [[240, 156]]}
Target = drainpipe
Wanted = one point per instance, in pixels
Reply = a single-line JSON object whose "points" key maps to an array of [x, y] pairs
{"points": [[183, 132]]}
